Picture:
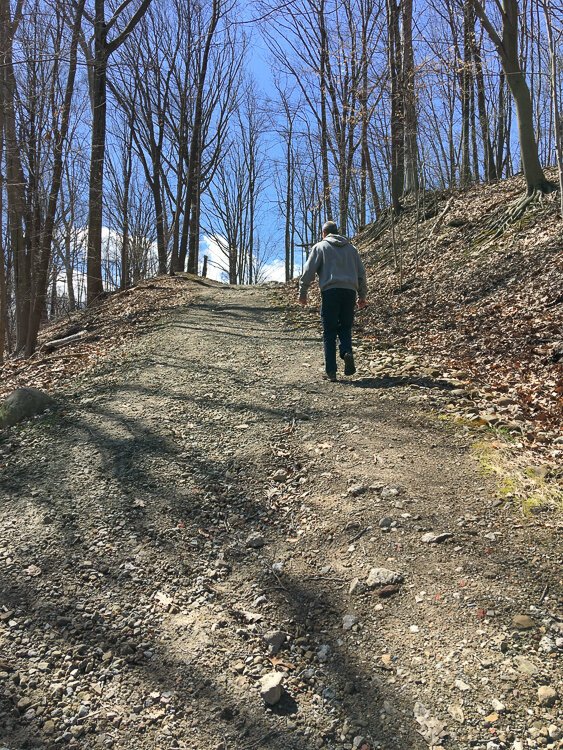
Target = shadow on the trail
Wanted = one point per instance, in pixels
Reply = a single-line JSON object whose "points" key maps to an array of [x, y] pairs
{"points": [[240, 321], [401, 380], [142, 499]]}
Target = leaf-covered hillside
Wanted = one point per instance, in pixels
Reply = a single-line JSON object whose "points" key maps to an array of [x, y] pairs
{"points": [[489, 310]]}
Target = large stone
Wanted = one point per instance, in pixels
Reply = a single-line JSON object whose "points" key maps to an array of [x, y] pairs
{"points": [[274, 639], [271, 688], [383, 577], [523, 622], [23, 403], [547, 695]]}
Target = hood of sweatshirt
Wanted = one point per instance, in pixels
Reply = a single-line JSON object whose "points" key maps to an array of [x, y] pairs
{"points": [[337, 240]]}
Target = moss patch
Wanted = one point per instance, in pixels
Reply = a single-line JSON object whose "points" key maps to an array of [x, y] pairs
{"points": [[535, 488]]}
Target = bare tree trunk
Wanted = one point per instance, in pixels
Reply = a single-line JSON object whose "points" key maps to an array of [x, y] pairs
{"points": [[507, 48], [409, 103], [397, 124], [196, 145], [98, 81], [95, 285], [501, 129], [488, 158], [324, 124], [466, 84], [557, 117], [3, 292], [19, 222], [59, 135], [69, 267], [127, 174], [288, 197]]}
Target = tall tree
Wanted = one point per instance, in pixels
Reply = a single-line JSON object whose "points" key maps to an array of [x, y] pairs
{"points": [[98, 60], [506, 44], [59, 130], [410, 119]]}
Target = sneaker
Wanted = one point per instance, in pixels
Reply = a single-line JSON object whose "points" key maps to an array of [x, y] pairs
{"points": [[330, 376], [349, 366]]}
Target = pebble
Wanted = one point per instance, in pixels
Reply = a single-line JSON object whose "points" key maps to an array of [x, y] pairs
{"points": [[523, 622], [271, 688], [555, 732], [383, 577], [348, 621], [547, 695], [430, 538], [355, 586], [386, 523], [525, 666], [357, 489], [255, 540], [547, 645], [461, 685]]}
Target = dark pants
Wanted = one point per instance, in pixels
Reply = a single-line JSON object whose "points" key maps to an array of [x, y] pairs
{"points": [[337, 315]]}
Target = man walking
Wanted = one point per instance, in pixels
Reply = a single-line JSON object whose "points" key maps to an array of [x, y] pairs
{"points": [[341, 276]]}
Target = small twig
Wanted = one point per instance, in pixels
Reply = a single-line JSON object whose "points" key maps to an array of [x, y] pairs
{"points": [[278, 580], [544, 592], [358, 535]]}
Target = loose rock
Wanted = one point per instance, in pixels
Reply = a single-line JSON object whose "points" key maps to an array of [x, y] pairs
{"points": [[271, 688], [383, 577], [547, 695], [255, 540], [274, 639], [523, 622], [23, 403]]}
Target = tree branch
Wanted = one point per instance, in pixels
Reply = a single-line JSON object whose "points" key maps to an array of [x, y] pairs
{"points": [[118, 41], [495, 38]]}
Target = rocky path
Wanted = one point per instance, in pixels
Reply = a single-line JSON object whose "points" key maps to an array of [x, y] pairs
{"points": [[205, 518]]}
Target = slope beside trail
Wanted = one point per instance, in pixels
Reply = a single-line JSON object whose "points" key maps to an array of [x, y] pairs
{"points": [[203, 496]]}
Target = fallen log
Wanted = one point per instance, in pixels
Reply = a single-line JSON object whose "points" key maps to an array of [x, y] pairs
{"points": [[50, 346]]}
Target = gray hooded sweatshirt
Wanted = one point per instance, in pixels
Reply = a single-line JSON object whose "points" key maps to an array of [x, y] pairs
{"points": [[338, 264]]}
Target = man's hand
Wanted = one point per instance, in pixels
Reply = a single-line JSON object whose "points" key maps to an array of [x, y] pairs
{"points": [[303, 301], [362, 303]]}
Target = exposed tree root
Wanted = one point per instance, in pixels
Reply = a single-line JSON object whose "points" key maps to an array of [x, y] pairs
{"points": [[499, 224]]}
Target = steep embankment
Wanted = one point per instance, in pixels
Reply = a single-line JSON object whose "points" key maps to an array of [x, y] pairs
{"points": [[489, 310], [451, 301]]}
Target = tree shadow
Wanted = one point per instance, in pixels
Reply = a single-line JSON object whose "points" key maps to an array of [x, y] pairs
{"points": [[67, 605], [400, 381]]}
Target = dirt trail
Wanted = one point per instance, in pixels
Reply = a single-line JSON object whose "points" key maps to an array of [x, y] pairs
{"points": [[207, 488]]}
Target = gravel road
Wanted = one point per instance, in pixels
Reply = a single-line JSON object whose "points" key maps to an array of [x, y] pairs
{"points": [[204, 510]]}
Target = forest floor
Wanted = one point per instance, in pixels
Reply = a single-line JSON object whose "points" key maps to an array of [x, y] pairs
{"points": [[203, 510]]}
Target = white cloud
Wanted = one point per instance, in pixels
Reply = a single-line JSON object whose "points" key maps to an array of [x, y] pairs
{"points": [[274, 270], [217, 265], [216, 260]]}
